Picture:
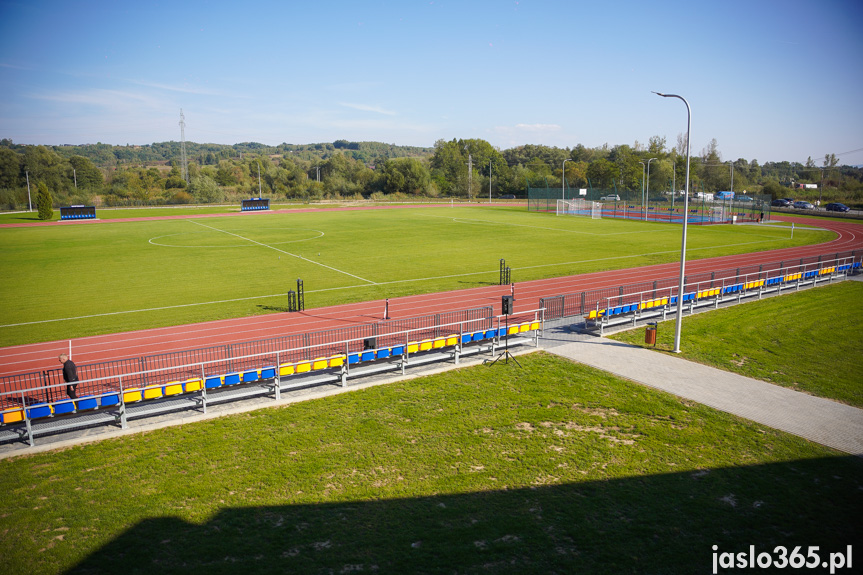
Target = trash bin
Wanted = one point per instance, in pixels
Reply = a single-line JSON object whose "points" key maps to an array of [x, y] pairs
{"points": [[650, 334]]}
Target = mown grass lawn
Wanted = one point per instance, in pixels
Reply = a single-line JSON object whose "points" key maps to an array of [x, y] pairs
{"points": [[810, 341], [553, 468]]}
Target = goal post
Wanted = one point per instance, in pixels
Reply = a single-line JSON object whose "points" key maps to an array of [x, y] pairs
{"points": [[579, 207]]}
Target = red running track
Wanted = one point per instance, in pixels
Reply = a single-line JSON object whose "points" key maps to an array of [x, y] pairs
{"points": [[39, 356]]}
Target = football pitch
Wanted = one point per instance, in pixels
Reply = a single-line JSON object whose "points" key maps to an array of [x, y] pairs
{"points": [[71, 280]]}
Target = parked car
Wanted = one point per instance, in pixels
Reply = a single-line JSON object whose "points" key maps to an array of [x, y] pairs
{"points": [[836, 207], [744, 198], [801, 205], [610, 198], [782, 203]]}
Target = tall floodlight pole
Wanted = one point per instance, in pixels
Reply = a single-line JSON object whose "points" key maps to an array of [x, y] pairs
{"points": [[29, 201], [563, 180], [183, 146], [821, 189], [732, 175], [469, 173], [489, 180], [643, 211], [647, 190], [679, 315], [259, 179], [673, 182]]}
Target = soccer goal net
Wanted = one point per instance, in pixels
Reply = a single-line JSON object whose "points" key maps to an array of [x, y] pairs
{"points": [[579, 207]]}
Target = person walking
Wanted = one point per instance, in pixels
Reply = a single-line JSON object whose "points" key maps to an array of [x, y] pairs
{"points": [[387, 309], [70, 375]]}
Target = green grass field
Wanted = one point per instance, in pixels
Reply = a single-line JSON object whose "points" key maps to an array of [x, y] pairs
{"points": [[808, 341], [66, 281], [553, 468]]}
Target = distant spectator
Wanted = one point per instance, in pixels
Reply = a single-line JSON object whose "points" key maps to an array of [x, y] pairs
{"points": [[70, 375]]}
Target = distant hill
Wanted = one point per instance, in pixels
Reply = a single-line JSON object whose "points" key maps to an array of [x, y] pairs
{"points": [[105, 155]]}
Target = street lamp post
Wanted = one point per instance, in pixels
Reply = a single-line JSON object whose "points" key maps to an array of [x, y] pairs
{"points": [[643, 211], [563, 180], [469, 173], [679, 315], [29, 199], [647, 191]]}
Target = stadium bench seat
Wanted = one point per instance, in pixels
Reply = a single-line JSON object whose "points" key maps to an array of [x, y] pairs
{"points": [[109, 400], [64, 407], [213, 382], [172, 388], [191, 385], [39, 410], [12, 416]]}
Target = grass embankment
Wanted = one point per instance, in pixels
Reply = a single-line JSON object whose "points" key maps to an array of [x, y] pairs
{"points": [[810, 341], [555, 467], [74, 280]]}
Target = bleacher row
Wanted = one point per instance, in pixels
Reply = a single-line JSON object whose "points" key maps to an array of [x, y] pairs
{"points": [[112, 405], [598, 315]]}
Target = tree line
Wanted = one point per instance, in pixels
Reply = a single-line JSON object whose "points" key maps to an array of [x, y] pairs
{"points": [[102, 174]]}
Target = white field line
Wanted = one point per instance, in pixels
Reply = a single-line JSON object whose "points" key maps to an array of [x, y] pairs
{"points": [[180, 306], [284, 252]]}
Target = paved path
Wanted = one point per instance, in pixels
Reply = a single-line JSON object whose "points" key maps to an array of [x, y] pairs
{"points": [[824, 421]]}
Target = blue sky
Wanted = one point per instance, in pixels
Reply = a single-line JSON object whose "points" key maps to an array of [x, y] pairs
{"points": [[770, 80]]}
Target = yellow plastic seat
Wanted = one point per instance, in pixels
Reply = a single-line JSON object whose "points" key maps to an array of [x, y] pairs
{"points": [[173, 388], [195, 384], [319, 363], [439, 343], [337, 361], [304, 366], [286, 369], [12, 415], [413, 347], [132, 395], [152, 392], [451, 339]]}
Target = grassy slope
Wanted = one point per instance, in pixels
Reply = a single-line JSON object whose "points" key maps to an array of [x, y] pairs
{"points": [[809, 341], [552, 468], [106, 270]]}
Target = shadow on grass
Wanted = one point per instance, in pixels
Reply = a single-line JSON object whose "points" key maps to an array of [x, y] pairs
{"points": [[658, 523], [275, 308]]}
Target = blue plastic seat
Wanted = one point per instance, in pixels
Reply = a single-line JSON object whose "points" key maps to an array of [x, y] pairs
{"points": [[109, 400], [39, 410]]}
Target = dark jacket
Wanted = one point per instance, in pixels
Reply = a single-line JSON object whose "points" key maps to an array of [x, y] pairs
{"points": [[70, 372]]}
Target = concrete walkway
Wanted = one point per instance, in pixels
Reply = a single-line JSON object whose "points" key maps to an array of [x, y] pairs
{"points": [[824, 421]]}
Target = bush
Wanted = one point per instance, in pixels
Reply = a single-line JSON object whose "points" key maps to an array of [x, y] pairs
{"points": [[206, 190], [181, 197], [44, 202]]}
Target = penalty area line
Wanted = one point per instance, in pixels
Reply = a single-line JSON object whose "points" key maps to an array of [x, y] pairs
{"points": [[284, 252]]}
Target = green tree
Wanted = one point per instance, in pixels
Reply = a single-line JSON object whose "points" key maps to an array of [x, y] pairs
{"points": [[205, 190], [86, 172], [44, 202], [406, 175], [10, 168]]}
